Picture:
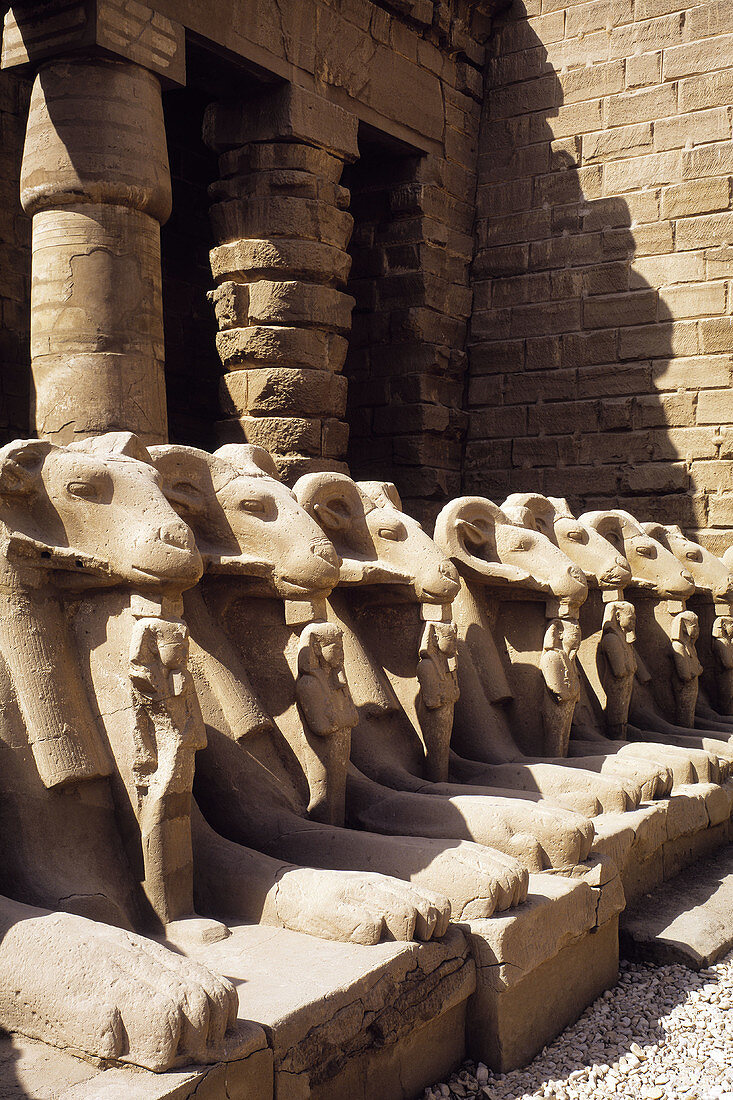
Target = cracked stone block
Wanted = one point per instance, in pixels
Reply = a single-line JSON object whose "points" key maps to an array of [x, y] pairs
{"points": [[288, 113], [263, 345], [284, 390], [303, 304], [538, 967], [357, 1021], [281, 216], [231, 305], [247, 260]]}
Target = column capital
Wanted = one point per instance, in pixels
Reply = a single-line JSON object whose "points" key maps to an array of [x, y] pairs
{"points": [[107, 28]]}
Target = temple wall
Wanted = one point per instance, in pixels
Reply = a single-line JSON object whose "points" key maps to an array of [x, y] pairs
{"points": [[601, 335]]}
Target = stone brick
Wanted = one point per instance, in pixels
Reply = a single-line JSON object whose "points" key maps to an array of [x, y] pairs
{"points": [[598, 15], [716, 335], [621, 140], [643, 69], [611, 311], [591, 82], [658, 341], [673, 409], [281, 217], [498, 423], [698, 128], [649, 104], [676, 267], [711, 90], [645, 171], [282, 435], [280, 390], [263, 345], [275, 156], [700, 197], [641, 240], [693, 300], [334, 438], [244, 260], [547, 317], [703, 231], [698, 372], [709, 160], [698, 57], [300, 304], [656, 477]]}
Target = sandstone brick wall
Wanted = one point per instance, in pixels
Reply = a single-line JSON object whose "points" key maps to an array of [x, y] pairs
{"points": [[14, 264], [601, 336]]}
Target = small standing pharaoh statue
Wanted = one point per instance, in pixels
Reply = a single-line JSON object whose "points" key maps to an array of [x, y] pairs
{"points": [[618, 664], [438, 679], [687, 668], [168, 732], [723, 654], [329, 715], [562, 683]]}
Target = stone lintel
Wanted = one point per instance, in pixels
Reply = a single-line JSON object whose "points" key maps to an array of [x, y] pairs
{"points": [[287, 113], [94, 27]]}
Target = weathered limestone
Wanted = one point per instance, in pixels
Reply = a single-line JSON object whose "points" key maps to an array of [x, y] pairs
{"points": [[95, 179], [281, 218], [74, 519], [507, 658], [251, 778]]}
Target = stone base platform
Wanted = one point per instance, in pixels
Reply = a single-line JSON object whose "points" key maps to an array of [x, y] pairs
{"points": [[688, 920], [539, 966], [653, 843], [330, 1020]]}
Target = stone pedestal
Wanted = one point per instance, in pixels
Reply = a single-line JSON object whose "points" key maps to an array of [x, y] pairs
{"points": [[281, 218], [95, 179]]}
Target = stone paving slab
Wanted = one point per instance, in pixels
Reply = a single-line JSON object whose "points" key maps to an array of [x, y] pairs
{"points": [[687, 920]]}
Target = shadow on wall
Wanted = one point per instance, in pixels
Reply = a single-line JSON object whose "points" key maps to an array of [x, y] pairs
{"points": [[584, 377]]}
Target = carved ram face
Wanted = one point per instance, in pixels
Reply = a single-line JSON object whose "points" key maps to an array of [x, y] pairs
{"points": [[490, 548], [601, 563], [653, 567], [94, 510], [709, 573], [246, 521], [377, 542]]}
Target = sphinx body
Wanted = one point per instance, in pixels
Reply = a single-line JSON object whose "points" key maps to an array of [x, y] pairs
{"points": [[262, 666], [70, 523], [394, 584]]}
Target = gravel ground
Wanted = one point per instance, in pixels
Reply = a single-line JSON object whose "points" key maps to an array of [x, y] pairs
{"points": [[662, 1033]]}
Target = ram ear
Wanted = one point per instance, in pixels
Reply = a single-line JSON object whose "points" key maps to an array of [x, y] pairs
{"points": [[20, 466], [466, 527], [249, 459], [609, 523], [657, 531], [531, 510], [332, 499], [114, 443]]}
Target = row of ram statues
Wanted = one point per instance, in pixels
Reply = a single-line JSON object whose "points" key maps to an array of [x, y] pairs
{"points": [[223, 699]]}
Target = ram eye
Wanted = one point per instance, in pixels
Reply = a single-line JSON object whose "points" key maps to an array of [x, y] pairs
{"points": [[645, 551], [576, 535], [394, 533], [693, 555], [84, 490], [520, 545], [253, 505]]}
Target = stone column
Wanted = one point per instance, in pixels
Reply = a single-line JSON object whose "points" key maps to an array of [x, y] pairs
{"points": [[95, 180], [281, 265]]}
